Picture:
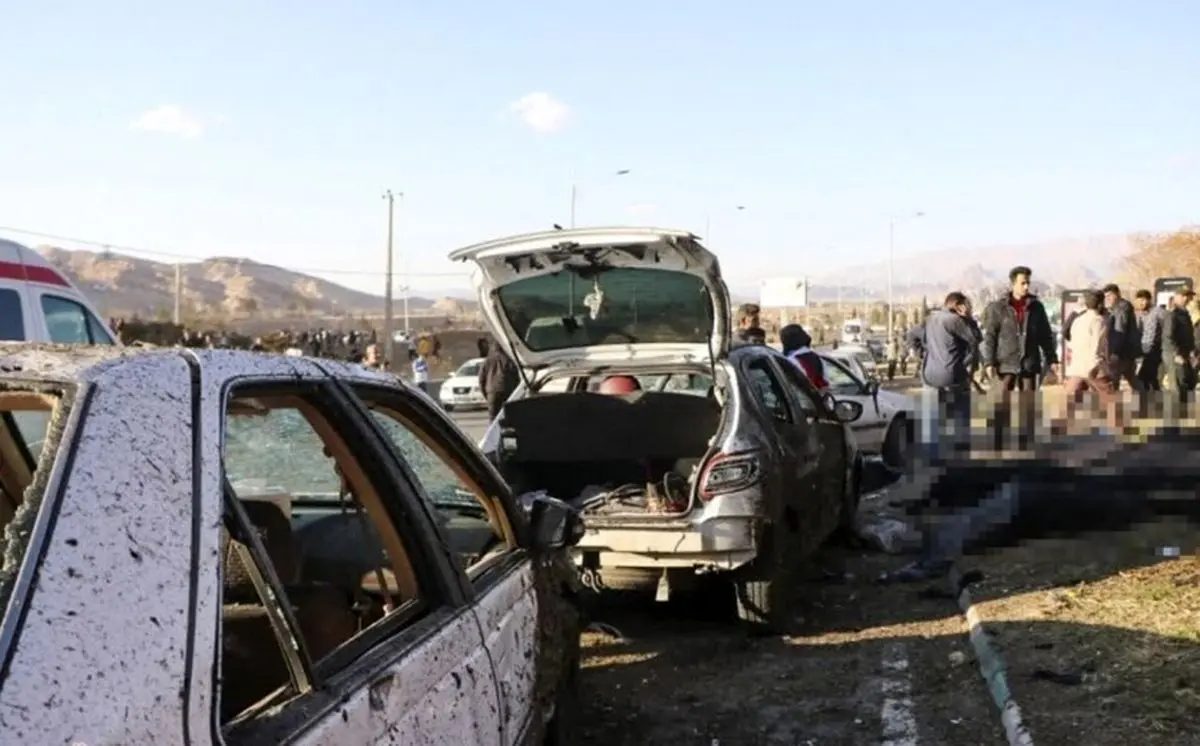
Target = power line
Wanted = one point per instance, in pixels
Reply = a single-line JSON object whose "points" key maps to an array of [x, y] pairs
{"points": [[132, 250]]}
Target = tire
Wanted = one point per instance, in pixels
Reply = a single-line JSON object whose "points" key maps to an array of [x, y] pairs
{"points": [[851, 496], [896, 443], [763, 593]]}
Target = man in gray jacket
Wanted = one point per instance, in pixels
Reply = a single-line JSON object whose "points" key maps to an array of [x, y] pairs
{"points": [[951, 349]]}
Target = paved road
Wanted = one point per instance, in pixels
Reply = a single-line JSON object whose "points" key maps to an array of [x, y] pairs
{"points": [[473, 423]]}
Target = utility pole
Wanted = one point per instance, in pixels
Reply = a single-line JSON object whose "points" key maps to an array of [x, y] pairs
{"points": [[177, 317], [574, 196], [387, 295]]}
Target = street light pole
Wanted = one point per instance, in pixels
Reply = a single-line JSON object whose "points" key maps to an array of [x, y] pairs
{"points": [[575, 192], [387, 294], [891, 313]]}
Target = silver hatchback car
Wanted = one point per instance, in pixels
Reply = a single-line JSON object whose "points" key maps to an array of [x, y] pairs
{"points": [[708, 459]]}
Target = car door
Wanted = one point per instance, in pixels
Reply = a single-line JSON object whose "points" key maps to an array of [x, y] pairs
{"points": [[870, 428], [824, 436], [376, 641], [795, 453], [481, 525]]}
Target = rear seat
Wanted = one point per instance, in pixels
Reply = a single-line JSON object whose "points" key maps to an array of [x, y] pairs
{"points": [[252, 663]]}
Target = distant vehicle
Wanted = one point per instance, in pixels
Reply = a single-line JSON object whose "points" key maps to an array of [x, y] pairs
{"points": [[885, 427], [461, 390], [853, 331], [859, 359], [39, 304], [716, 460], [272, 550]]}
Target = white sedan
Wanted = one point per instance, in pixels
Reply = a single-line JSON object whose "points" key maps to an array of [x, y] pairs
{"points": [[218, 547], [885, 427], [461, 390]]}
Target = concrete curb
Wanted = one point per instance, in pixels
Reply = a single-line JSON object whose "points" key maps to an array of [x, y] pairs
{"points": [[991, 665]]}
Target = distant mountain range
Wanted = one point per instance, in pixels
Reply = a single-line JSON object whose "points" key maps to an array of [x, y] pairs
{"points": [[121, 285], [124, 285], [1069, 263]]}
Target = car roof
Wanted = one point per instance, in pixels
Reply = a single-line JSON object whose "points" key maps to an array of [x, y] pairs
{"points": [[84, 363]]}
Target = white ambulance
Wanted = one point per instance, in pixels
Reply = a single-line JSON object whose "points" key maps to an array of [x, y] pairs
{"points": [[39, 304]]}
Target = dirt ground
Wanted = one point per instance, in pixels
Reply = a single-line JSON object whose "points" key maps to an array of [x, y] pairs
{"points": [[1101, 637]]}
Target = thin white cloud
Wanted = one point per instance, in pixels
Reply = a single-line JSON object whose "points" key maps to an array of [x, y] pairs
{"points": [[542, 113], [642, 209], [168, 120]]}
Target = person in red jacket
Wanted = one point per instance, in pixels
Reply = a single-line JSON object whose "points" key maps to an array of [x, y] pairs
{"points": [[797, 346]]}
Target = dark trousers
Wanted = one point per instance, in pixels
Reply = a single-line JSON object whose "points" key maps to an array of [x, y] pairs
{"points": [[495, 402], [1149, 373], [1126, 370], [1024, 384]]}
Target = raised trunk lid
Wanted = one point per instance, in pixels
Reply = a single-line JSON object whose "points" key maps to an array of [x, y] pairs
{"points": [[602, 295]]}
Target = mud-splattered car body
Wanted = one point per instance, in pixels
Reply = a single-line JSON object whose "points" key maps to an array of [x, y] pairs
{"points": [[128, 541]]}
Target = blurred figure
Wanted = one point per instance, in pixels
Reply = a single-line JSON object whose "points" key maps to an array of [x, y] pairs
{"points": [[797, 346], [420, 369], [950, 349], [749, 329], [1178, 346], [1124, 344], [1149, 320], [1092, 364], [498, 378], [372, 357]]}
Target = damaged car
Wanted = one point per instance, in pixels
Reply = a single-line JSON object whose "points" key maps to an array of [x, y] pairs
{"points": [[217, 547], [689, 460]]}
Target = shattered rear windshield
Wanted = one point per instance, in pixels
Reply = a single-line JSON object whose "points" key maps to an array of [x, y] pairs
{"points": [[616, 306]]}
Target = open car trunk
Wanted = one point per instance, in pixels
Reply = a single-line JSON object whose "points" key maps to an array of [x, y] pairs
{"points": [[637, 454]]}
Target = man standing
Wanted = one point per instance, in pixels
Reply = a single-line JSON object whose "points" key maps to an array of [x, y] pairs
{"points": [[1178, 345], [420, 369], [1150, 320], [498, 378], [1124, 344], [1018, 343], [893, 357], [749, 331], [1092, 362], [950, 350], [1018, 347]]}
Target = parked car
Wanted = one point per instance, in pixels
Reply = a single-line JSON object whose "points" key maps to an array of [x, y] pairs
{"points": [[740, 466], [858, 359], [222, 547], [885, 427], [39, 304], [461, 390]]}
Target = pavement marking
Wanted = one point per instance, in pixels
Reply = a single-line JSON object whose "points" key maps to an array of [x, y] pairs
{"points": [[898, 714]]}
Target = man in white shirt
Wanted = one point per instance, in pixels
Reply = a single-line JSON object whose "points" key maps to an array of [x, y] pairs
{"points": [[420, 370]]}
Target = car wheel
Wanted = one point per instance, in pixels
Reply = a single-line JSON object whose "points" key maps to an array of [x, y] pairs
{"points": [[763, 592], [561, 730], [896, 444]]}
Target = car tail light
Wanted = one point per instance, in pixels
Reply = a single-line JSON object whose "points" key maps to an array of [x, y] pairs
{"points": [[729, 472]]}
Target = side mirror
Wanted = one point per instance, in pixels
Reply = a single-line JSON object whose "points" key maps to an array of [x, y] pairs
{"points": [[848, 411], [553, 523]]}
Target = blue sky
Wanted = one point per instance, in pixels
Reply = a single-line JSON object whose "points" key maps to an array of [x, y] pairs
{"points": [[270, 129]]}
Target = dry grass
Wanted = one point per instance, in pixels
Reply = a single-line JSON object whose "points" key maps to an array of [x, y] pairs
{"points": [[1101, 636]]}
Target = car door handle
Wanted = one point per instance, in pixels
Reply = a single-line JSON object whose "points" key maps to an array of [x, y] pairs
{"points": [[378, 691]]}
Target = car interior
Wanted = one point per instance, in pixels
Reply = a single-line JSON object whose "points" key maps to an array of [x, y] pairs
{"points": [[335, 551], [24, 419], [647, 442]]}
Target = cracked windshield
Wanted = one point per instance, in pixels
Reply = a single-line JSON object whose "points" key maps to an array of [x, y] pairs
{"points": [[857, 407]]}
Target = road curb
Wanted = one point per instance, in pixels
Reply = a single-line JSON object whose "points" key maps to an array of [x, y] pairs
{"points": [[991, 665]]}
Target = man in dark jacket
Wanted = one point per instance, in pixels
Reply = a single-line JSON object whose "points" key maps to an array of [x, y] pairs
{"points": [[1018, 347], [1124, 344], [1178, 345], [1150, 320], [498, 378], [951, 349], [1018, 343], [749, 331]]}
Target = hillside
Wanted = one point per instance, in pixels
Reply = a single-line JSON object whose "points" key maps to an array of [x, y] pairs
{"points": [[125, 285]]}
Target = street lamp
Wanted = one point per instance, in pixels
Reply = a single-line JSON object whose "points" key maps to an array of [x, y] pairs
{"points": [[891, 319], [708, 222], [390, 198], [575, 192]]}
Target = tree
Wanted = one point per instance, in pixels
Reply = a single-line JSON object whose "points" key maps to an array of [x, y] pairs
{"points": [[1175, 254]]}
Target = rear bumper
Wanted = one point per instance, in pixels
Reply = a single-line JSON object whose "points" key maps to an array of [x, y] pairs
{"points": [[462, 400], [720, 536]]}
